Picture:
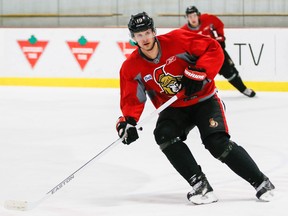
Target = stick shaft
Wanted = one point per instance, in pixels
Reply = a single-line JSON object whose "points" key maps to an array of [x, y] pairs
{"points": [[105, 150], [24, 205]]}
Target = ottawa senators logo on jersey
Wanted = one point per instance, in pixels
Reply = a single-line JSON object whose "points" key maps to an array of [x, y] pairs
{"points": [[168, 83]]}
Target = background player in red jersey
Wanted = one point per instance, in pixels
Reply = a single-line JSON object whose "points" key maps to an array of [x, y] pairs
{"points": [[185, 63], [213, 27]]}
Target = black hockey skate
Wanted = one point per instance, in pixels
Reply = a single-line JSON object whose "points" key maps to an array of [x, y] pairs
{"points": [[202, 192], [249, 92], [265, 191]]}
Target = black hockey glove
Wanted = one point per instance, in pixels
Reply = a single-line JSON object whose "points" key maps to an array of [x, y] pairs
{"points": [[192, 80], [126, 129]]}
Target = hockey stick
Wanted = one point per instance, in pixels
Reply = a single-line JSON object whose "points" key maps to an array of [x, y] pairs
{"points": [[25, 205]]}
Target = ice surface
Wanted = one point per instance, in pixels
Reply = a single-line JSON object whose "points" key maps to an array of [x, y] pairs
{"points": [[48, 133]]}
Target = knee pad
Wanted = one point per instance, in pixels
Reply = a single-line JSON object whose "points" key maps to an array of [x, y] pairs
{"points": [[219, 145], [166, 131]]}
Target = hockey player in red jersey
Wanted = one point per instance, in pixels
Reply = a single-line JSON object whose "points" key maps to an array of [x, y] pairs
{"points": [[181, 62], [212, 26]]}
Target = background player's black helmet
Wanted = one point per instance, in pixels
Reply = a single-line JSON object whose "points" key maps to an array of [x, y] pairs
{"points": [[140, 22], [192, 9]]}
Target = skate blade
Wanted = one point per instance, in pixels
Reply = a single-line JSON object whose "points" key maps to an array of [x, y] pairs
{"points": [[206, 199], [267, 196]]}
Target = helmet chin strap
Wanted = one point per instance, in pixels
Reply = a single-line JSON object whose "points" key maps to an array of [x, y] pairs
{"points": [[153, 44], [154, 59]]}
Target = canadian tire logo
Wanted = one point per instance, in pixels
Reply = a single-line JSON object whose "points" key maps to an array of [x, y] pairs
{"points": [[82, 50], [32, 49], [126, 47]]}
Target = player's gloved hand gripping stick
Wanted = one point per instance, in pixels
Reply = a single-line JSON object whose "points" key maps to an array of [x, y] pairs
{"points": [[25, 205], [127, 130]]}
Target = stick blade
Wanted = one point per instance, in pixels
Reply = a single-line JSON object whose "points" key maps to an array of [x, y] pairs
{"points": [[16, 205]]}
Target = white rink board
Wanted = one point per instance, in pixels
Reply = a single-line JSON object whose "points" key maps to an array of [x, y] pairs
{"points": [[57, 60]]}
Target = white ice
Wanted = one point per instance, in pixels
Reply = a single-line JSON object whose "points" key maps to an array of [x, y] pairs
{"points": [[48, 133]]}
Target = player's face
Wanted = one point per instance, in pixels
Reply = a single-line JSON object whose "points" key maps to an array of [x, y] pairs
{"points": [[193, 19], [145, 39]]}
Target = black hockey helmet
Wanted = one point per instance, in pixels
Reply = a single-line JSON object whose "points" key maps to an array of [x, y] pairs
{"points": [[192, 9], [140, 22]]}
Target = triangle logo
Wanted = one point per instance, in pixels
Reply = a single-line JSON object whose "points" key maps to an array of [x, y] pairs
{"points": [[82, 50], [126, 47], [32, 49]]}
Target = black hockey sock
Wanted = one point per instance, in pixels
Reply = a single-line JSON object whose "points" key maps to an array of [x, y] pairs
{"points": [[243, 165], [238, 83], [182, 159]]}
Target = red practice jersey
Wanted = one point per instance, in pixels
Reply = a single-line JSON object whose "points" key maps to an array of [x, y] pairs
{"points": [[210, 26], [160, 78]]}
